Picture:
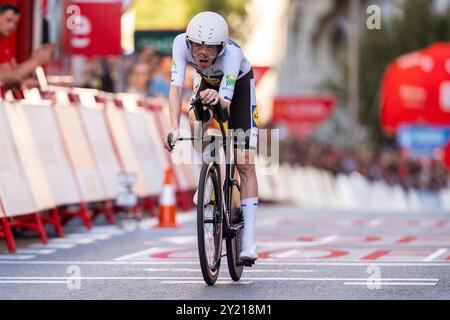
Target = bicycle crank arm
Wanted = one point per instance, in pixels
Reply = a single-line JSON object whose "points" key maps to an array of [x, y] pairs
{"points": [[189, 139], [246, 262]]}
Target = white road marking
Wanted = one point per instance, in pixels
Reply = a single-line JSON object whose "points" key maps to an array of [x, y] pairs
{"points": [[15, 257], [172, 270], [375, 223], [287, 254], [339, 279], [391, 284], [104, 230], [195, 262], [235, 283], [84, 241], [180, 240], [36, 251], [146, 252], [435, 255], [85, 236], [387, 280], [32, 282], [329, 239], [246, 271], [52, 246]]}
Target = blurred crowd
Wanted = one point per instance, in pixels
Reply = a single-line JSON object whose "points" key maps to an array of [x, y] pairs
{"points": [[146, 73], [387, 165]]}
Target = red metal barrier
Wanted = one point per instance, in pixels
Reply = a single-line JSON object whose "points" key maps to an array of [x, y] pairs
{"points": [[106, 208], [82, 213], [52, 217], [5, 232], [32, 222]]}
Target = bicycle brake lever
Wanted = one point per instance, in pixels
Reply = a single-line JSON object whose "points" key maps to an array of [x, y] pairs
{"points": [[196, 101], [170, 141]]}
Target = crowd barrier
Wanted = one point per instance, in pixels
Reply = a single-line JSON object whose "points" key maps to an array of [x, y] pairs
{"points": [[314, 188], [62, 152]]}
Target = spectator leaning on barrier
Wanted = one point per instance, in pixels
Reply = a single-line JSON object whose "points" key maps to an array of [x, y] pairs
{"points": [[11, 73]]}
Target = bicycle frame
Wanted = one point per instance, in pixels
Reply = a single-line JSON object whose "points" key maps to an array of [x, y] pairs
{"points": [[229, 230]]}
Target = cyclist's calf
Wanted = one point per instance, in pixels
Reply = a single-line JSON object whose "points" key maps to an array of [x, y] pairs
{"points": [[247, 173]]}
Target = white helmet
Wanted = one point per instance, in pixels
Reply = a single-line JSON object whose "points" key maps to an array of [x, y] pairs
{"points": [[208, 28]]}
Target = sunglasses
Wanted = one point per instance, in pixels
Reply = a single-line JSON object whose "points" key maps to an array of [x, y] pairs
{"points": [[207, 48]]}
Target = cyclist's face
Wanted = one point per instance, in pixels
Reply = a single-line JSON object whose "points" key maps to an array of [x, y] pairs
{"points": [[204, 54]]}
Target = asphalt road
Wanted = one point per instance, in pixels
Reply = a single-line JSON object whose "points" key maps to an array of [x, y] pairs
{"points": [[304, 254]]}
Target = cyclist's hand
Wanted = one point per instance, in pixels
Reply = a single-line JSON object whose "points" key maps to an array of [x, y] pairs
{"points": [[171, 139], [209, 96]]}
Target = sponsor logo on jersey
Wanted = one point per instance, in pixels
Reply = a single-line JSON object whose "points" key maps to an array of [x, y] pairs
{"points": [[213, 80], [255, 119], [230, 80], [174, 67]]}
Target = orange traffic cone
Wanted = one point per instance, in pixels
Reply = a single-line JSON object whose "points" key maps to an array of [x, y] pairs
{"points": [[167, 203]]}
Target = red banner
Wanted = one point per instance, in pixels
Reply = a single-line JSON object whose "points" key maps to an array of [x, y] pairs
{"points": [[302, 109], [302, 114], [259, 72], [416, 89], [92, 28]]}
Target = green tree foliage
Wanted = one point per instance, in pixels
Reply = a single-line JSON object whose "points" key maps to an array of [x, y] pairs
{"points": [[175, 14]]}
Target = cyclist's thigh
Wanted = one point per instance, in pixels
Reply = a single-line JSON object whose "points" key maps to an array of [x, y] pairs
{"points": [[243, 110]]}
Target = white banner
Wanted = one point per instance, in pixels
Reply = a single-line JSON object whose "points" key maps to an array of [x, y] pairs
{"points": [[80, 153], [23, 183], [55, 162], [102, 146], [144, 144], [126, 151]]}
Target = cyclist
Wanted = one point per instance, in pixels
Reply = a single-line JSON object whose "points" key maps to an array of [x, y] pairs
{"points": [[224, 76]]}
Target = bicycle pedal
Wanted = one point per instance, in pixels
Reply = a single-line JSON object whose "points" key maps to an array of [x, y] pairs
{"points": [[246, 262]]}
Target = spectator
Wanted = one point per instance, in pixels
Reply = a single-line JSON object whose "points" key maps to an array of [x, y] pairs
{"points": [[98, 75], [138, 79], [389, 165], [160, 83], [148, 55], [11, 73]]}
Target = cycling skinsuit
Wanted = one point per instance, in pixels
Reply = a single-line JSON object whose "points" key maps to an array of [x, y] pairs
{"points": [[231, 75]]}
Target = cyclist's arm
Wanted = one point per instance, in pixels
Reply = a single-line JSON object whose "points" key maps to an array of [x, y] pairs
{"points": [[232, 65], [175, 100], [179, 62]]}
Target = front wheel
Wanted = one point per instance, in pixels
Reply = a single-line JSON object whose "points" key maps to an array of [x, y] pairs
{"points": [[234, 244], [209, 222]]}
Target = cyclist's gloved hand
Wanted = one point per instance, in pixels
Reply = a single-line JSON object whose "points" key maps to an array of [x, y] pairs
{"points": [[171, 139], [209, 96]]}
